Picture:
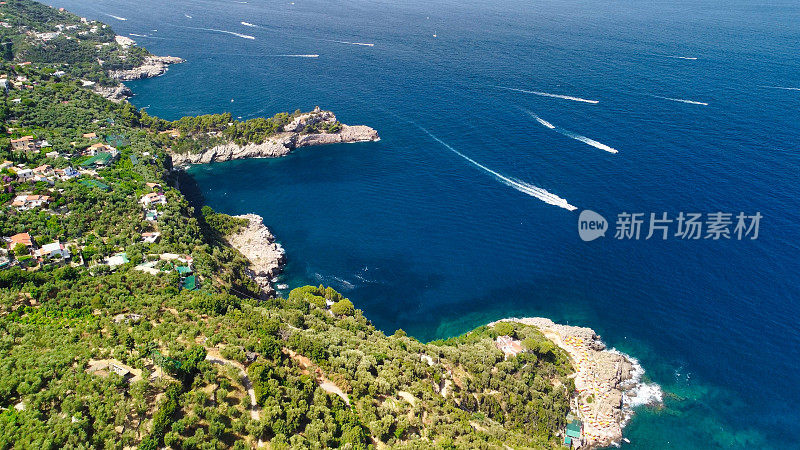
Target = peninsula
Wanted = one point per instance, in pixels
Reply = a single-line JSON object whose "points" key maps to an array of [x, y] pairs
{"points": [[606, 381], [288, 132]]}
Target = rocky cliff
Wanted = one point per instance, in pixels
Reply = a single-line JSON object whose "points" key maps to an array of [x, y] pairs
{"points": [[293, 136], [152, 66], [607, 382], [258, 245]]}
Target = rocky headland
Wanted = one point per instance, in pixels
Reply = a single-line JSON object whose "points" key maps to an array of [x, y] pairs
{"points": [[607, 382], [292, 136], [258, 245]]}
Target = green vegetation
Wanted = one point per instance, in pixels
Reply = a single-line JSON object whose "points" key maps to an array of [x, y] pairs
{"points": [[111, 355]]}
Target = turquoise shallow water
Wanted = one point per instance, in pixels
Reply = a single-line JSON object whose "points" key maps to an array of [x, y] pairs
{"points": [[428, 241]]}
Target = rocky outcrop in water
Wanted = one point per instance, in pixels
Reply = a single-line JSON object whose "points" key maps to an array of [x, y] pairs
{"points": [[281, 144], [258, 245], [152, 66]]}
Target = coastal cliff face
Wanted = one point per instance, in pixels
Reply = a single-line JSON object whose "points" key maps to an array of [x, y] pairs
{"points": [[258, 245], [152, 66], [606, 380], [283, 143]]}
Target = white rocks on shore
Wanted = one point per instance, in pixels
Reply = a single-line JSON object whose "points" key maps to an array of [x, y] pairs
{"points": [[283, 143], [258, 245], [116, 93], [606, 380], [152, 66]]}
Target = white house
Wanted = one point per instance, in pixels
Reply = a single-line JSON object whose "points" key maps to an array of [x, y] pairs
{"points": [[153, 198], [68, 173], [54, 250], [24, 174], [151, 237], [117, 260], [26, 202]]}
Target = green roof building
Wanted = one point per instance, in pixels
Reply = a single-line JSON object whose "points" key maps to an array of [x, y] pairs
{"points": [[95, 183], [189, 283], [573, 434], [101, 159], [183, 270]]}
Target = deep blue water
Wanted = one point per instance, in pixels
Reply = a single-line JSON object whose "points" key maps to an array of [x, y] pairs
{"points": [[422, 239]]}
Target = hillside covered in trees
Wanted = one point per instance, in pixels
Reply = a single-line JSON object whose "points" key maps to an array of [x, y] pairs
{"points": [[126, 320]]}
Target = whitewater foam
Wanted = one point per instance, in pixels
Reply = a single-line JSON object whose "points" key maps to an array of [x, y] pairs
{"points": [[571, 135], [522, 186], [681, 100], [636, 392], [688, 58], [115, 17], [547, 94], [187, 16], [248, 24]]}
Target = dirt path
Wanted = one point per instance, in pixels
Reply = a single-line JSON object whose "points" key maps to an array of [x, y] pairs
{"points": [[323, 382], [214, 358]]}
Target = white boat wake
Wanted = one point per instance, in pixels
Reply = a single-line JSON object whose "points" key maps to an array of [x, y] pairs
{"points": [[526, 188], [187, 16], [782, 88], [688, 58], [681, 100], [248, 24], [571, 135], [232, 33], [547, 94], [365, 44], [116, 17], [297, 56], [544, 122]]}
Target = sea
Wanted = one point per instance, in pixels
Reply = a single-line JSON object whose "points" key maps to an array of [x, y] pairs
{"points": [[501, 122]]}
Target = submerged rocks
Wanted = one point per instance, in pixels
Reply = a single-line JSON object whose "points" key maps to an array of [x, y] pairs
{"points": [[258, 245], [152, 66]]}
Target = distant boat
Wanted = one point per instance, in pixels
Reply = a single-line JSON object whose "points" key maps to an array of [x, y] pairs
{"points": [[434, 34]]}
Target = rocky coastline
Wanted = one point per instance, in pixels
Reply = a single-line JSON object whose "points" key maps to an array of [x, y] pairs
{"points": [[152, 66], [607, 382], [258, 245], [116, 93], [283, 143]]}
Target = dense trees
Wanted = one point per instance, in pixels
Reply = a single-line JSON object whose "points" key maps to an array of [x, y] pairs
{"points": [[322, 374]]}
